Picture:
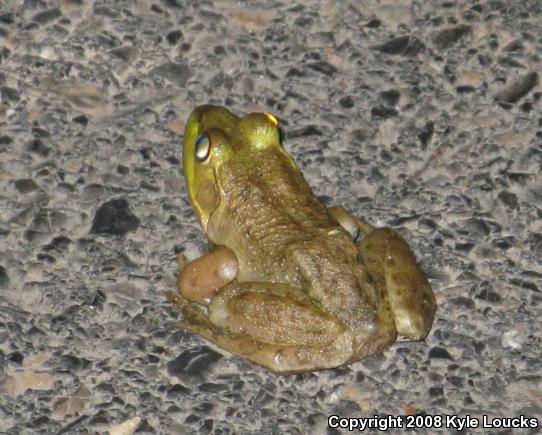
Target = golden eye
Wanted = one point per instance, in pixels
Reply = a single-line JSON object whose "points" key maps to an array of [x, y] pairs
{"points": [[202, 149], [273, 120]]}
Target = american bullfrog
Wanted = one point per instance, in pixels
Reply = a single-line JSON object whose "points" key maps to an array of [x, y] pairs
{"points": [[286, 283]]}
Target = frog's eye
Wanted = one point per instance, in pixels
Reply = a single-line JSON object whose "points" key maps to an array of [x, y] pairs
{"points": [[275, 123], [202, 149], [272, 119]]}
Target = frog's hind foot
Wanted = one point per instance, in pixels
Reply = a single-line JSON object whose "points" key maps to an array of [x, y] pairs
{"points": [[192, 313], [355, 226]]}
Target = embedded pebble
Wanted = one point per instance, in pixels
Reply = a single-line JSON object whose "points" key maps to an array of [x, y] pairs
{"points": [[114, 217], [391, 97], [25, 185], [4, 278], [174, 72], [47, 16], [402, 45], [518, 88], [447, 37], [193, 363], [384, 112]]}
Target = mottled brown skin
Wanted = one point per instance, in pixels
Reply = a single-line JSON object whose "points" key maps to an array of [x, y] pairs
{"points": [[286, 285]]}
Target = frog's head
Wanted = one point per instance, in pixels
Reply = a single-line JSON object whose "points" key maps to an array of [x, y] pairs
{"points": [[213, 136]]}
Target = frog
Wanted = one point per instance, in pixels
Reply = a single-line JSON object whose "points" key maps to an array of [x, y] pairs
{"points": [[288, 283]]}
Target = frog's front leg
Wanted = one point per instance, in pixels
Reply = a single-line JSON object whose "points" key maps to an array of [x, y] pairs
{"points": [[393, 268], [201, 279]]}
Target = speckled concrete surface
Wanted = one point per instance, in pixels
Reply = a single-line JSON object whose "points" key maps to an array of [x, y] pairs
{"points": [[421, 115]]}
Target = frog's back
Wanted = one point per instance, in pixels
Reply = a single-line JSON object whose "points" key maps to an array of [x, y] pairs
{"points": [[268, 207]]}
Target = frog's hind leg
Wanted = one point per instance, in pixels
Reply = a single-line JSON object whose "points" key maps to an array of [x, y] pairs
{"points": [[274, 325], [393, 268], [279, 359]]}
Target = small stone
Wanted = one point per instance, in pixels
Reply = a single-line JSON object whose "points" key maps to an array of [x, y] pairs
{"points": [[295, 72], [526, 107], [126, 53], [308, 130], [516, 45], [346, 102], [391, 97], [323, 67], [178, 391], [5, 140], [114, 217], [177, 73], [58, 244], [464, 247], [173, 3], [510, 62], [401, 45], [465, 89], [7, 17], [439, 352], [524, 284], [4, 278], [40, 132], [384, 112], [123, 170], [463, 301], [157, 9], [436, 391], [9, 94], [98, 300], [105, 11], [174, 36], [426, 133], [73, 363], [213, 388], [47, 16], [476, 226], [374, 23], [504, 243], [518, 88], [25, 185], [80, 119], [193, 363], [509, 199], [447, 37], [488, 295], [37, 146], [16, 357]]}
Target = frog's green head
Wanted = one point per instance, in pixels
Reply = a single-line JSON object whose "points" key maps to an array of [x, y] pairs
{"points": [[212, 136]]}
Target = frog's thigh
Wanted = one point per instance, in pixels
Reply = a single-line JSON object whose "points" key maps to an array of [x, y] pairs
{"points": [[277, 358], [393, 267], [200, 279], [274, 314], [350, 223]]}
